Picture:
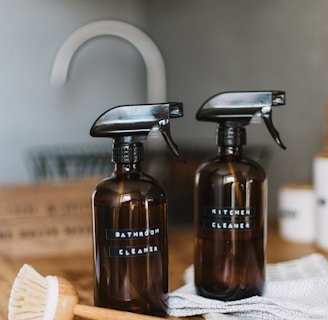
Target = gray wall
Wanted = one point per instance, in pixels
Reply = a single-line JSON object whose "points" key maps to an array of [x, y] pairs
{"points": [[208, 47], [213, 46], [103, 73]]}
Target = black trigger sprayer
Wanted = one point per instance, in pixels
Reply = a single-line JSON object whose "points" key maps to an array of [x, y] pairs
{"points": [[130, 213], [236, 110], [230, 204]]}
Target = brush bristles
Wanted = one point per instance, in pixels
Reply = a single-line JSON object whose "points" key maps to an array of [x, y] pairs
{"points": [[28, 297]]}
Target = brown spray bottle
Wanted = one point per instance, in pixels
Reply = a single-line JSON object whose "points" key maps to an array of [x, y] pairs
{"points": [[129, 213], [231, 200]]}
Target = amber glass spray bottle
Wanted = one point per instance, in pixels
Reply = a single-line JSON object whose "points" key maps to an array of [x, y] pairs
{"points": [[129, 214], [230, 200]]}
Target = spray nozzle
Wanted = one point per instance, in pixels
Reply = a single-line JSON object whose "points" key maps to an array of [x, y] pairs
{"points": [[236, 109], [130, 123]]}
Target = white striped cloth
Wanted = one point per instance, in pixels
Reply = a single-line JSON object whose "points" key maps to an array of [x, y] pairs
{"points": [[296, 289]]}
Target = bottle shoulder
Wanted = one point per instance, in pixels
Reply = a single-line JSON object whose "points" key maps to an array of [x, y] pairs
{"points": [[139, 186], [129, 177], [231, 164]]}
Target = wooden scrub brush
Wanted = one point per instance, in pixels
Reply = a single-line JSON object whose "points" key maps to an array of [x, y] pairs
{"points": [[54, 298]]}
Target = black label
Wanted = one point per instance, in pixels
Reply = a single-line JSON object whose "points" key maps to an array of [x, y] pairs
{"points": [[112, 234], [134, 234], [228, 218], [228, 212], [130, 251]]}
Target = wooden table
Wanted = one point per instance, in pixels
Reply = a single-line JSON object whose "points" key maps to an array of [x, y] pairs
{"points": [[78, 268]]}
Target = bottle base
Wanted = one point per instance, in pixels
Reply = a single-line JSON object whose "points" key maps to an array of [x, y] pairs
{"points": [[129, 306], [230, 294]]}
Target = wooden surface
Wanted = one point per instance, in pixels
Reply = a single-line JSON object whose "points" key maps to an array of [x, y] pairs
{"points": [[78, 268]]}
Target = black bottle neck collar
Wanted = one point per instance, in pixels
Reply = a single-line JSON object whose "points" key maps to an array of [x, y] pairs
{"points": [[127, 153], [231, 136]]}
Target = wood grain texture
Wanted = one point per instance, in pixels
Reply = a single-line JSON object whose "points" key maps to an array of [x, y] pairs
{"points": [[78, 269], [88, 312]]}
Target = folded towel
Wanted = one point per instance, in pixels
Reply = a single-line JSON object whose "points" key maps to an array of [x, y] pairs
{"points": [[296, 289]]}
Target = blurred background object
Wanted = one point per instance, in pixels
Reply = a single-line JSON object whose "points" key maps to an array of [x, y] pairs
{"points": [[65, 164]]}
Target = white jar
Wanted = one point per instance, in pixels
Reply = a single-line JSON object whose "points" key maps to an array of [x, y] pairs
{"points": [[320, 172], [297, 218]]}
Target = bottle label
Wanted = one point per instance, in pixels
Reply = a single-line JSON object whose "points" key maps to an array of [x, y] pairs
{"points": [[134, 251], [229, 218], [134, 235], [112, 234]]}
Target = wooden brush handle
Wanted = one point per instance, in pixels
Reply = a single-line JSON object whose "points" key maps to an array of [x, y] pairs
{"points": [[96, 313]]}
